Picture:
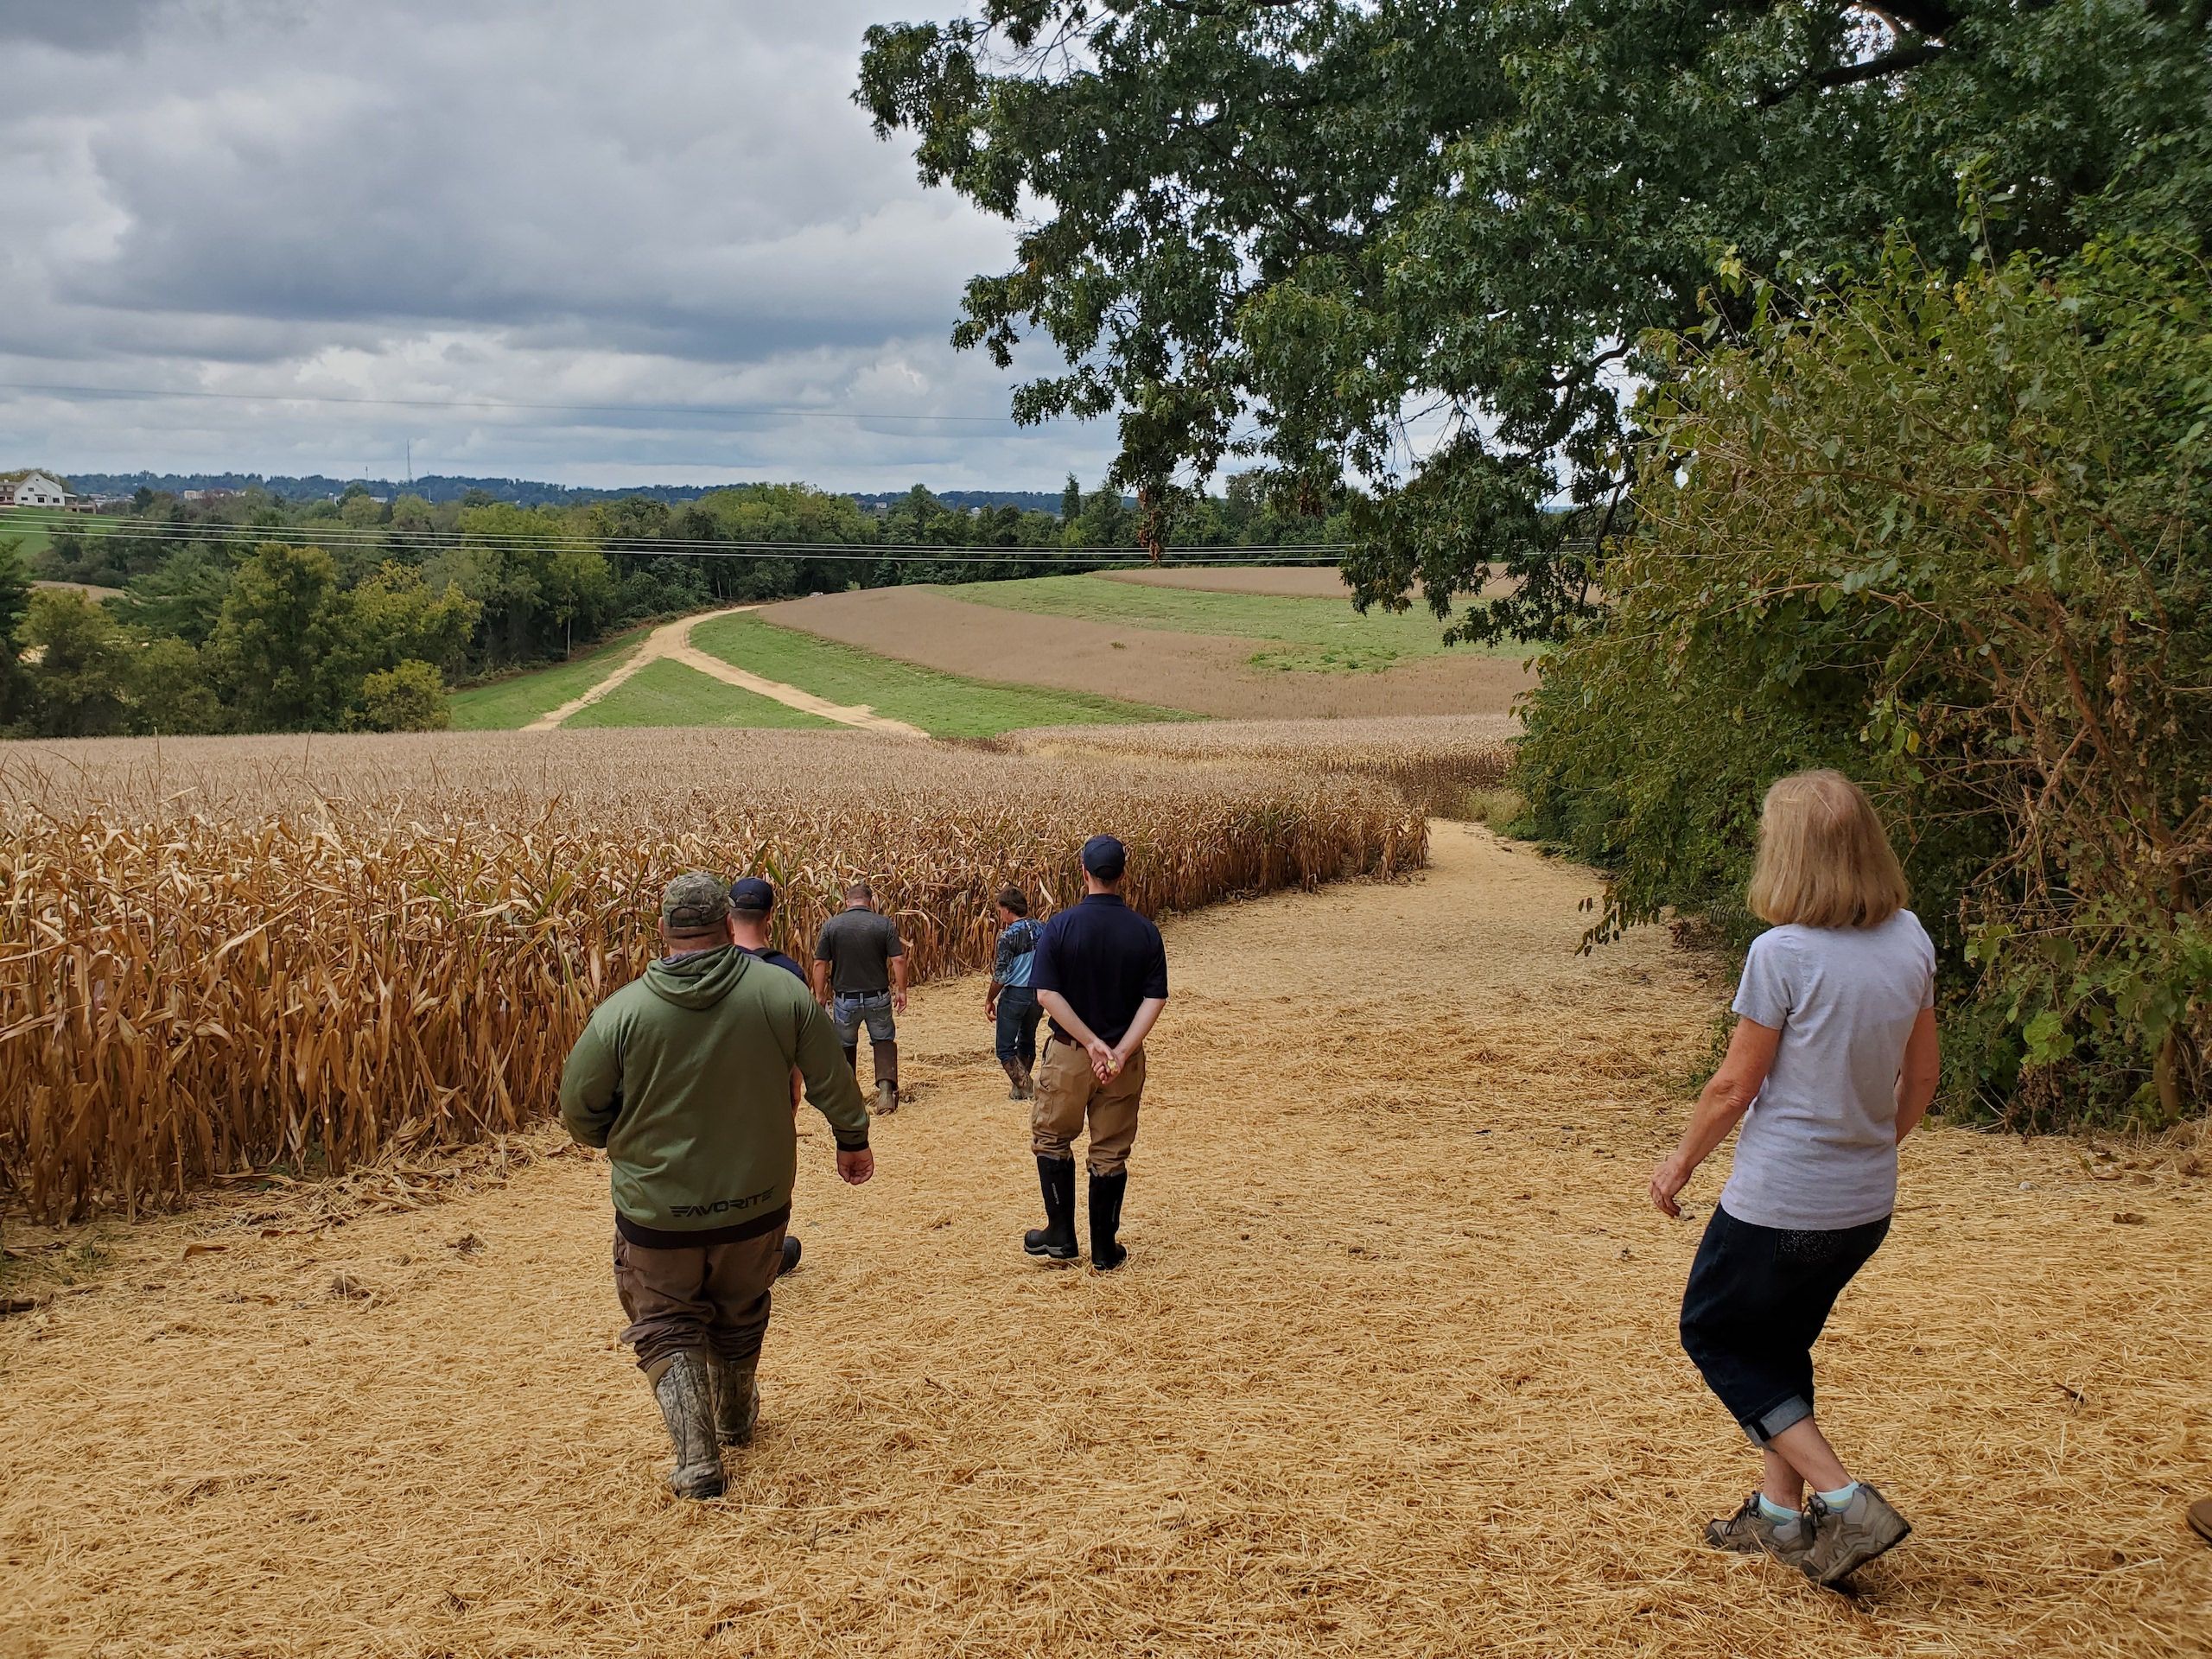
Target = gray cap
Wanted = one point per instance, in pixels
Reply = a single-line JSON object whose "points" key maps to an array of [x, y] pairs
{"points": [[693, 902]]}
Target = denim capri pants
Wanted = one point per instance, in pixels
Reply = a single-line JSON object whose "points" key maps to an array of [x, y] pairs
{"points": [[1756, 1302]]}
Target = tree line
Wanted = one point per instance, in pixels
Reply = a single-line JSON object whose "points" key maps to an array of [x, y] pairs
{"points": [[249, 612]]}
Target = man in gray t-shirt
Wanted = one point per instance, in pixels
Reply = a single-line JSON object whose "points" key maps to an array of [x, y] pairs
{"points": [[860, 976]]}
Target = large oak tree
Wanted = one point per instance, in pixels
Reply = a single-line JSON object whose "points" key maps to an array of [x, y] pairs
{"points": [[1403, 251]]}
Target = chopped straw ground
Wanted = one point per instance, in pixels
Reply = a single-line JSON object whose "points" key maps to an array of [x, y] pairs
{"points": [[1392, 1371]]}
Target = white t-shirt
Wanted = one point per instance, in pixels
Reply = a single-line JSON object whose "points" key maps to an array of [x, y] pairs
{"points": [[1818, 1150]]}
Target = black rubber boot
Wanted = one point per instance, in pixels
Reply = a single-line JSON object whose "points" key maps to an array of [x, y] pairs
{"points": [[685, 1390], [1055, 1240], [1106, 1191], [792, 1249], [887, 1075], [853, 1058]]}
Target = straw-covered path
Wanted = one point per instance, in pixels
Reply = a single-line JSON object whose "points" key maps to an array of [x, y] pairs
{"points": [[1392, 1371]]}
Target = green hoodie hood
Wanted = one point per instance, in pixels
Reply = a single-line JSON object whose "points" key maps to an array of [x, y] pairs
{"points": [[699, 980]]}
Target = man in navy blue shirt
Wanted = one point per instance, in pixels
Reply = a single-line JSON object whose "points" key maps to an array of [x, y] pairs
{"points": [[1100, 973], [752, 901]]}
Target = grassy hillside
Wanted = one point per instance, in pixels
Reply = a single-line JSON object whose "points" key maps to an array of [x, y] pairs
{"points": [[1324, 635], [668, 693], [503, 705], [944, 705]]}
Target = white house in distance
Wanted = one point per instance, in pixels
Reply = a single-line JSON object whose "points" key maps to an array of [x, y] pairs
{"points": [[32, 489]]}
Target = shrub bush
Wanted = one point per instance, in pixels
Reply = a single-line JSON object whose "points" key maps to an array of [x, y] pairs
{"points": [[409, 697], [1951, 536]]}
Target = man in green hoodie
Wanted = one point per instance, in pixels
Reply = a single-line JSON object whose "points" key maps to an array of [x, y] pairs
{"points": [[684, 1076]]}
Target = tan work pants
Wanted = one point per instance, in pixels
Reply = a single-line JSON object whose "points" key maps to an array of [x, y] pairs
{"points": [[1068, 1091]]}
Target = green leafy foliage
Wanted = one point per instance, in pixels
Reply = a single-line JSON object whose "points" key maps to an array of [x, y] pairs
{"points": [[1952, 536], [1288, 227], [76, 681], [409, 697]]}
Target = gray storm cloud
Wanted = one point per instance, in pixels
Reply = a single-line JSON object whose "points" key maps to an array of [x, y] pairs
{"points": [[552, 202]]}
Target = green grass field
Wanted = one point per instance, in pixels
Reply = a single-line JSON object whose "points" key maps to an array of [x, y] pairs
{"points": [[1324, 635], [33, 527], [504, 705], [666, 693], [944, 705]]}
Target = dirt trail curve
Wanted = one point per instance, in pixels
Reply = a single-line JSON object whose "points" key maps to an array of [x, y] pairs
{"points": [[1392, 1370], [673, 641]]}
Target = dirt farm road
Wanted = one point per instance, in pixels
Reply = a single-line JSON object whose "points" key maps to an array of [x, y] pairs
{"points": [[1391, 1371], [673, 641]]}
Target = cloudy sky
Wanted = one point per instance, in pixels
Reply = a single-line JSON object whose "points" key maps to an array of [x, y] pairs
{"points": [[645, 207]]}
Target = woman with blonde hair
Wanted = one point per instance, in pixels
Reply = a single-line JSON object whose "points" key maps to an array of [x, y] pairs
{"points": [[1832, 1062]]}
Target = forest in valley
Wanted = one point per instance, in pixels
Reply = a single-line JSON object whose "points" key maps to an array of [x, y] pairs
{"points": [[244, 611]]}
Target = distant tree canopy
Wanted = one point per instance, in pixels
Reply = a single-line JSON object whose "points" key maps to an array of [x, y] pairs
{"points": [[1281, 227], [242, 612]]}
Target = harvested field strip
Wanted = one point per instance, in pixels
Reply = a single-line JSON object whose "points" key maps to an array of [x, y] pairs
{"points": [[1392, 1372], [1204, 673], [944, 705], [1432, 759], [667, 692], [183, 995]]}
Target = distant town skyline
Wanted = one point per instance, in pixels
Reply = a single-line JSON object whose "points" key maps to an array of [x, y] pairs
{"points": [[589, 245]]}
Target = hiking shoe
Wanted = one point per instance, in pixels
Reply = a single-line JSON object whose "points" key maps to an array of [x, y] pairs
{"points": [[1015, 1093], [886, 1099], [1845, 1539], [792, 1249], [1750, 1531], [2200, 1518]]}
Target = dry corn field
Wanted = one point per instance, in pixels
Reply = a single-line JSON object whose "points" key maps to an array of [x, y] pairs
{"points": [[1433, 760], [227, 953], [1392, 1370]]}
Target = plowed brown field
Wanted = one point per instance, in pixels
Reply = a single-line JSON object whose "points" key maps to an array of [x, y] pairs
{"points": [[1207, 674], [1392, 1370]]}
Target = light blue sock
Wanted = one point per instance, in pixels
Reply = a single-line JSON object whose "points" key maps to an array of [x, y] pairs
{"points": [[1775, 1512], [1842, 1496]]}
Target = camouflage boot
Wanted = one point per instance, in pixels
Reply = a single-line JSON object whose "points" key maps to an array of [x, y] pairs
{"points": [[686, 1388], [737, 1400]]}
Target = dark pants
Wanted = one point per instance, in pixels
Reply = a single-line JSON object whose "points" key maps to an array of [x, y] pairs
{"points": [[1018, 1017], [713, 1299], [1756, 1302]]}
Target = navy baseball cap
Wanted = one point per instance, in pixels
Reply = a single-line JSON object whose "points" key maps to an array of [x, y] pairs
{"points": [[1104, 857], [751, 893]]}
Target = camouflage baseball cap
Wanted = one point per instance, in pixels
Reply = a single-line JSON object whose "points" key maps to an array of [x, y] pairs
{"points": [[693, 903]]}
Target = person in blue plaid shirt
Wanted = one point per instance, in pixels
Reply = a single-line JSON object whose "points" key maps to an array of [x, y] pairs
{"points": [[1010, 1000]]}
